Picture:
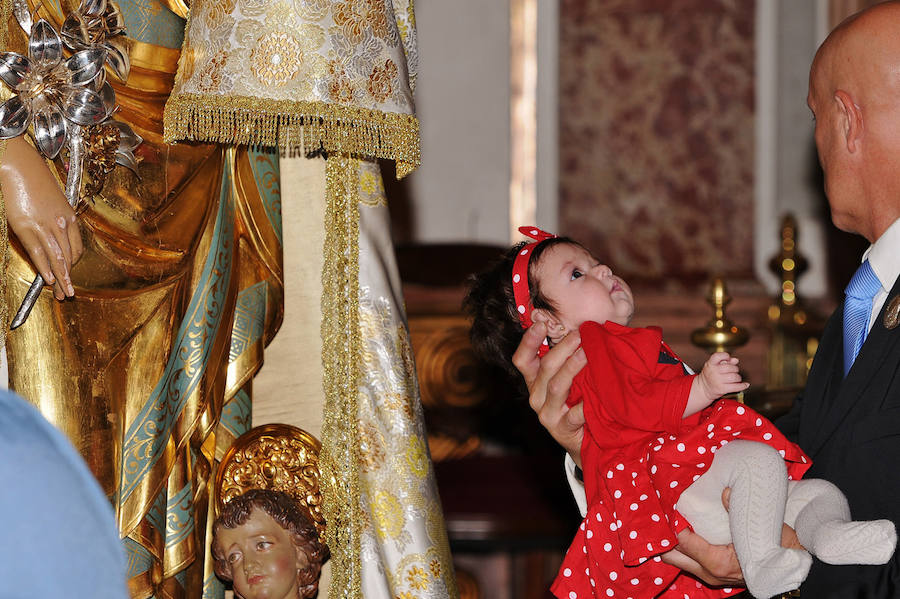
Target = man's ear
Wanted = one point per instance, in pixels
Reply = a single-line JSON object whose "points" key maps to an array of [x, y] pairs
{"points": [[851, 119], [555, 327]]}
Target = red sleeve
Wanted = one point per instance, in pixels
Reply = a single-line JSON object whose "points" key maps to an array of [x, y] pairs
{"points": [[622, 371]]}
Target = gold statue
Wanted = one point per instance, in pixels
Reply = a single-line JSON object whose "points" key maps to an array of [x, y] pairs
{"points": [[147, 367]]}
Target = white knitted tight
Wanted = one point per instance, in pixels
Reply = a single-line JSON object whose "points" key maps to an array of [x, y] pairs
{"points": [[761, 499]]}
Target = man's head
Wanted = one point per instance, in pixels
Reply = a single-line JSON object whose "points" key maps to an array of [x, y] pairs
{"points": [[854, 94], [265, 543]]}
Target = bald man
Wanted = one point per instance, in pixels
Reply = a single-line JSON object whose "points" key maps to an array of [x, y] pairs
{"points": [[848, 417]]}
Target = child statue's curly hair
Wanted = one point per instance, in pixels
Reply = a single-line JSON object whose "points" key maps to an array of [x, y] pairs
{"points": [[496, 330]]}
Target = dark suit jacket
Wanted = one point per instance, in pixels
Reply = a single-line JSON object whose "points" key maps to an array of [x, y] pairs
{"points": [[851, 430]]}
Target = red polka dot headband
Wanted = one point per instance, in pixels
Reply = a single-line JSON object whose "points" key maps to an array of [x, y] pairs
{"points": [[521, 292]]}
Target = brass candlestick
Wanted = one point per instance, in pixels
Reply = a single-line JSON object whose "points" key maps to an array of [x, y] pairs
{"points": [[720, 334], [795, 329]]}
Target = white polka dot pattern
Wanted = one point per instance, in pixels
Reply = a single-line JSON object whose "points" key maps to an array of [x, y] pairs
{"points": [[625, 550]]}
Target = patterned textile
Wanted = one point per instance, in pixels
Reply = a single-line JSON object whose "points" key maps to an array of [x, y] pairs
{"points": [[390, 539], [335, 74], [345, 87], [404, 544], [639, 454]]}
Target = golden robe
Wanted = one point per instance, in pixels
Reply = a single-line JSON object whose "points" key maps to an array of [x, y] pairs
{"points": [[148, 369]]}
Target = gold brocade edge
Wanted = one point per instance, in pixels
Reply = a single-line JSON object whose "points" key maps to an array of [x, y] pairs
{"points": [[341, 360], [295, 126]]}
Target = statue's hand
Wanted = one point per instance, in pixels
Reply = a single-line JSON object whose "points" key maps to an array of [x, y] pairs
{"points": [[40, 216]]}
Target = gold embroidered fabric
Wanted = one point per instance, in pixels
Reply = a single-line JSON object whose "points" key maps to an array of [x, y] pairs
{"points": [[339, 459], [404, 523], [391, 539], [333, 74]]}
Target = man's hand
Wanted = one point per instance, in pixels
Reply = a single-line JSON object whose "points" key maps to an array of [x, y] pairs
{"points": [[40, 216], [716, 565], [549, 380]]}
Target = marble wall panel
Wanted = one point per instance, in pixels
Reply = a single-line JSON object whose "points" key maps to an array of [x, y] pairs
{"points": [[657, 134], [838, 10]]}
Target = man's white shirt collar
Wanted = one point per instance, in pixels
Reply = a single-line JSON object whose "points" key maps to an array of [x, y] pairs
{"points": [[884, 256]]}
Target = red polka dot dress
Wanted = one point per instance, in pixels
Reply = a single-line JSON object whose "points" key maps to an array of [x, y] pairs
{"points": [[639, 454]]}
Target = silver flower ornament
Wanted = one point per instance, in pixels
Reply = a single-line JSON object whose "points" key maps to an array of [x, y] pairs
{"points": [[51, 93], [128, 143], [99, 24]]}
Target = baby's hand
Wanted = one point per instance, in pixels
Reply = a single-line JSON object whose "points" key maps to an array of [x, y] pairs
{"points": [[720, 376]]}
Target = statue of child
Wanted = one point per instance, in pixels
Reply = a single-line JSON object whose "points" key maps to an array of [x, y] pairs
{"points": [[266, 544]]}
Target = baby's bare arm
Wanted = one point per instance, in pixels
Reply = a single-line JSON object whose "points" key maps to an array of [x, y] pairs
{"points": [[720, 376]]}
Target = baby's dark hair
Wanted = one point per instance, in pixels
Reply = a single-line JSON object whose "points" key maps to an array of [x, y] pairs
{"points": [[290, 515], [496, 330]]}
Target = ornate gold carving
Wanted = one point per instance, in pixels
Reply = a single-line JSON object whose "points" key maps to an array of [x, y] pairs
{"points": [[101, 142], [4, 252], [278, 457], [892, 313]]}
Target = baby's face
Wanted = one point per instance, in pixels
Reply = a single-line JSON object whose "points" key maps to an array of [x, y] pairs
{"points": [[583, 289], [263, 558]]}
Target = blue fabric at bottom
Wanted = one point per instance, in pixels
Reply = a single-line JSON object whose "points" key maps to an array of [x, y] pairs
{"points": [[58, 534]]}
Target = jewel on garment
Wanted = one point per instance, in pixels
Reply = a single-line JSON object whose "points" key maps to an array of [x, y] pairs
{"points": [[892, 313]]}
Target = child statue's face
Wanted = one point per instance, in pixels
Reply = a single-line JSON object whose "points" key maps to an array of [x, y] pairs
{"points": [[582, 289], [263, 558]]}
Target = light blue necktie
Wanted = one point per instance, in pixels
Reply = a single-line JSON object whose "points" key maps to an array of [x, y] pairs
{"points": [[857, 308]]}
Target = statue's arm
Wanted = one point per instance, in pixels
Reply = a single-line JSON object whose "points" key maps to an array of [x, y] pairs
{"points": [[39, 215]]}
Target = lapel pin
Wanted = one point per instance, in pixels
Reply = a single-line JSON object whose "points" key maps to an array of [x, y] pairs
{"points": [[892, 313]]}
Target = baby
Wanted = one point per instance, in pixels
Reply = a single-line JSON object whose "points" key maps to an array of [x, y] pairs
{"points": [[659, 445], [267, 546]]}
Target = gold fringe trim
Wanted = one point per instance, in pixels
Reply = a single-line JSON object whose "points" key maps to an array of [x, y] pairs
{"points": [[295, 127], [341, 360]]}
